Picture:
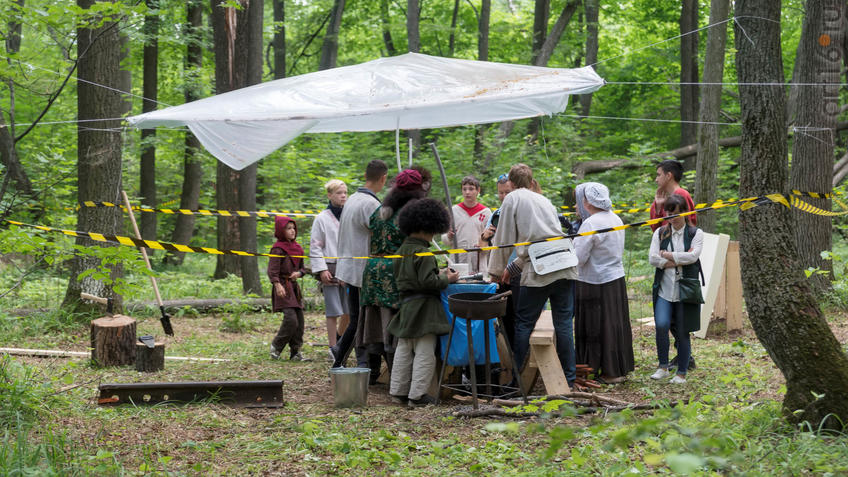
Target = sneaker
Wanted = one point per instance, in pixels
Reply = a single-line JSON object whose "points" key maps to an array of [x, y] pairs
{"points": [[423, 401], [660, 373], [299, 357], [678, 379], [402, 400], [332, 356], [275, 353], [690, 366]]}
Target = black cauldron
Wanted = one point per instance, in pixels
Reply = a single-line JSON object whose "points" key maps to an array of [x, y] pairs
{"points": [[475, 306]]}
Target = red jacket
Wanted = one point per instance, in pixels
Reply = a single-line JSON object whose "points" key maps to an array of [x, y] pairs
{"points": [[657, 212]]}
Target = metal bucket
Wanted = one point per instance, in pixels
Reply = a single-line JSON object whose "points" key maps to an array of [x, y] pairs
{"points": [[350, 386]]}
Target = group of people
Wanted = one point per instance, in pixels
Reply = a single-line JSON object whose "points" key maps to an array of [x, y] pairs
{"points": [[389, 308]]}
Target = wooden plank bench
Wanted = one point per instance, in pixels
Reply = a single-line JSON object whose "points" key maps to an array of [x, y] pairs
{"points": [[543, 359]]}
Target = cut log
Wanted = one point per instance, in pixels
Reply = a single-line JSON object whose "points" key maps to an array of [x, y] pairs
{"points": [[581, 169], [149, 359], [208, 305], [113, 340], [840, 170]]}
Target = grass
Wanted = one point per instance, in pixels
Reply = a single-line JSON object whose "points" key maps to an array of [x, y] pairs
{"points": [[732, 423], [52, 425]]}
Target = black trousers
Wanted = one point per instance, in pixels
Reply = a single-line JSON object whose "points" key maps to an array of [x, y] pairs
{"points": [[344, 344]]}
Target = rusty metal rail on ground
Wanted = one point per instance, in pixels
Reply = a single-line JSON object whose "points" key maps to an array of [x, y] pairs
{"points": [[264, 394]]}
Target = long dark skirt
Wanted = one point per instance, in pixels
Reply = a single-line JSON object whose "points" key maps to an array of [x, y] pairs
{"points": [[602, 332]]}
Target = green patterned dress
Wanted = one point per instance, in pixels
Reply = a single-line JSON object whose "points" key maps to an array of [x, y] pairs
{"points": [[378, 281]]}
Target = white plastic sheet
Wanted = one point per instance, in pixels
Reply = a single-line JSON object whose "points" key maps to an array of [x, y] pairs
{"points": [[411, 91]]}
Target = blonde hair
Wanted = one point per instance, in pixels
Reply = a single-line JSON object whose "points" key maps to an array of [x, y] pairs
{"points": [[333, 185]]}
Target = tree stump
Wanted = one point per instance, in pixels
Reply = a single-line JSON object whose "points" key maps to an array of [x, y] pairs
{"points": [[149, 359], [113, 340]]}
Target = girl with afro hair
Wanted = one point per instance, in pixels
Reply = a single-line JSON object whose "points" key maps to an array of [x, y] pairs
{"points": [[421, 317]]}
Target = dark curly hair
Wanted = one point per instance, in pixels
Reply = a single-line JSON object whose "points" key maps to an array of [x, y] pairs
{"points": [[424, 215], [396, 198]]}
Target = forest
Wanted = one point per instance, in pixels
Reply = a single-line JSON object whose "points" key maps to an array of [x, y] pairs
{"points": [[750, 96]]}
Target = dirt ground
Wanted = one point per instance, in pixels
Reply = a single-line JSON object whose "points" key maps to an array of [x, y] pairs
{"points": [[216, 439]]}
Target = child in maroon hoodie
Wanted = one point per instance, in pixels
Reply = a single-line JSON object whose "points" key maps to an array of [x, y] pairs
{"points": [[285, 292]]}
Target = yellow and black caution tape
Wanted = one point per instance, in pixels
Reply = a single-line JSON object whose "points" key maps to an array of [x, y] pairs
{"points": [[618, 208], [806, 207], [168, 246], [841, 204], [816, 195], [646, 207], [635, 206], [211, 213]]}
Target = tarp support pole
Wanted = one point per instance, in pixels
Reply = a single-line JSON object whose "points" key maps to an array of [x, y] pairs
{"points": [[397, 145], [410, 151]]}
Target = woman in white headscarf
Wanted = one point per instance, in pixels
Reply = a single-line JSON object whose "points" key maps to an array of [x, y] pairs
{"points": [[602, 317]]}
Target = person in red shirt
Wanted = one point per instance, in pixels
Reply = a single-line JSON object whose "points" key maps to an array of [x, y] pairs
{"points": [[669, 174]]}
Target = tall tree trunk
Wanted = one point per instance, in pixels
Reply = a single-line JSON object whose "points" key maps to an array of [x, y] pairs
{"points": [[819, 61], [483, 30], [781, 304], [9, 158], [279, 41], [413, 37], [541, 14], [707, 159], [247, 179], [8, 151], [688, 72], [98, 152], [229, 66], [591, 8], [150, 88], [483, 55], [545, 52], [330, 47], [414, 46], [387, 32], [540, 58], [452, 36], [192, 158], [238, 63]]}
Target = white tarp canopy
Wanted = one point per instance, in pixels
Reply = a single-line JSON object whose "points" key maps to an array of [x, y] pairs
{"points": [[411, 91]]}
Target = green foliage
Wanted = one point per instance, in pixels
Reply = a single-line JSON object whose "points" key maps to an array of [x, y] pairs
{"points": [[698, 438], [233, 319], [21, 393]]}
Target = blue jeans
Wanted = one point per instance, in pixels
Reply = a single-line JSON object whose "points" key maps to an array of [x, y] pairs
{"points": [[531, 301], [666, 313]]}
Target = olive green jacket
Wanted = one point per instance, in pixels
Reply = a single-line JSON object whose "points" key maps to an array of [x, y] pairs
{"points": [[418, 283]]}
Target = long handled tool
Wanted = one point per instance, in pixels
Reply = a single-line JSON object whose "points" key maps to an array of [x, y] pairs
{"points": [[166, 319], [447, 191]]}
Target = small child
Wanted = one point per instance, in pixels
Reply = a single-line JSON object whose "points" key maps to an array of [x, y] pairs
{"points": [[421, 317], [285, 294]]}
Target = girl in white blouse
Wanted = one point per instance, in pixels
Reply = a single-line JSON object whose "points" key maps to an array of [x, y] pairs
{"points": [[675, 250]]}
